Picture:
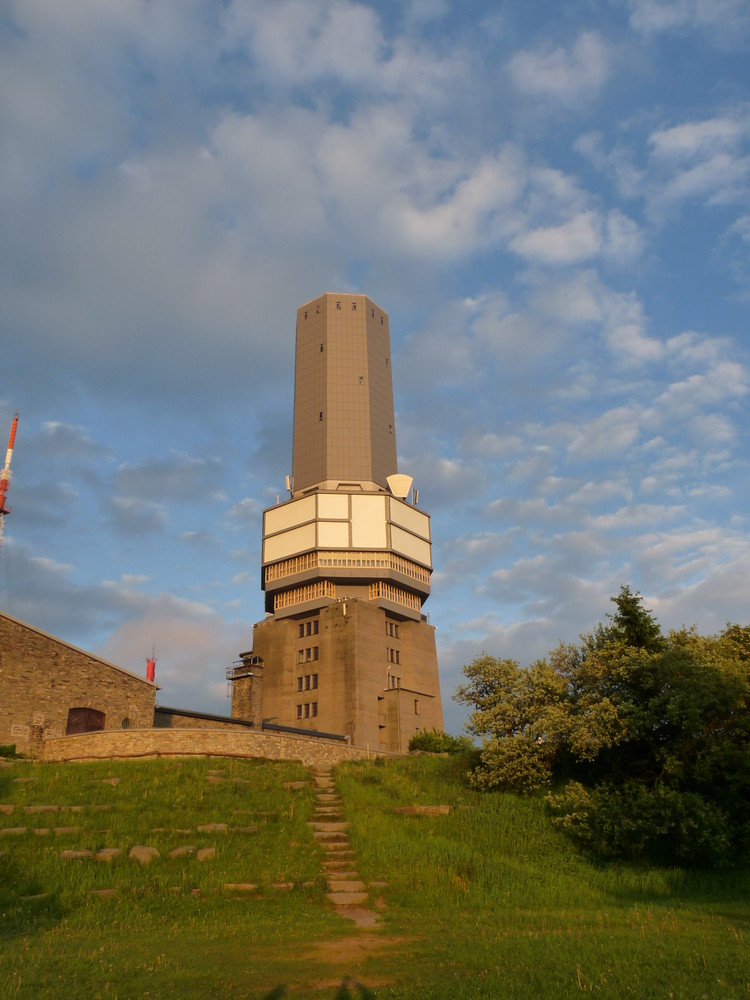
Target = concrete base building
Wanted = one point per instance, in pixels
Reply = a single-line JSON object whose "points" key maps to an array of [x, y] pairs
{"points": [[345, 648]]}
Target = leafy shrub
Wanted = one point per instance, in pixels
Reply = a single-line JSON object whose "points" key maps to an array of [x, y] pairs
{"points": [[436, 741], [645, 737]]}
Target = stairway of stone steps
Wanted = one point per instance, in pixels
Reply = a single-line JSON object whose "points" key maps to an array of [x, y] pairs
{"points": [[346, 890]]}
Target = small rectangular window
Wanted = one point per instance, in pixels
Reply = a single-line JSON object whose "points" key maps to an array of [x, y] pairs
{"points": [[416, 706], [300, 656], [299, 711], [299, 683], [314, 709], [315, 682], [307, 710], [301, 630]]}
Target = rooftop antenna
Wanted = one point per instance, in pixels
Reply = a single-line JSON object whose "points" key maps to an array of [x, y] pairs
{"points": [[5, 476]]}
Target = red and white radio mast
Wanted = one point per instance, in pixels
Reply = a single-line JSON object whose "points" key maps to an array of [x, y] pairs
{"points": [[5, 476]]}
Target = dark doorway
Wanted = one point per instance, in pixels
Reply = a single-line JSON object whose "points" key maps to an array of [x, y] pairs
{"points": [[84, 720]]}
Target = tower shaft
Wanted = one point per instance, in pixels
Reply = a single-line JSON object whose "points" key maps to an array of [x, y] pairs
{"points": [[344, 427]]}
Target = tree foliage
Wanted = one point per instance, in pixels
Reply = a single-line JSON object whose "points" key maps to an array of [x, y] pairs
{"points": [[643, 737], [436, 741]]}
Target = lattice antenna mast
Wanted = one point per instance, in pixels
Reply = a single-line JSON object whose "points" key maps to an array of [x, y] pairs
{"points": [[5, 477]]}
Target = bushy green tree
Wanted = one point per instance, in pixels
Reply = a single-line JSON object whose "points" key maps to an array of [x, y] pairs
{"points": [[436, 741], [645, 737]]}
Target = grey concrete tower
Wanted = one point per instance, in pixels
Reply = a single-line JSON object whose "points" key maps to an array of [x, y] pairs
{"points": [[346, 564], [344, 427]]}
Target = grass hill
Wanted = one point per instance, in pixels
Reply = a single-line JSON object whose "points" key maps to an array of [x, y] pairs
{"points": [[487, 901]]}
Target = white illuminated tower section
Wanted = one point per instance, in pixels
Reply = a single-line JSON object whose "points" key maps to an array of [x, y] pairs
{"points": [[346, 561]]}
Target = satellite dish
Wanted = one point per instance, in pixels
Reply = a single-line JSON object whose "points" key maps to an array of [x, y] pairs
{"points": [[399, 485]]}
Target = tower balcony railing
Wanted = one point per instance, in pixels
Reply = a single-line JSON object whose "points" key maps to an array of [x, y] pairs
{"points": [[346, 560], [397, 595], [299, 595]]}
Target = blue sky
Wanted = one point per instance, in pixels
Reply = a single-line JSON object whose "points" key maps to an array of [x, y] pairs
{"points": [[552, 202]]}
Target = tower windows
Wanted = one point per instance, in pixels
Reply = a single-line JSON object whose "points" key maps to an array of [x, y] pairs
{"points": [[308, 710], [391, 628], [307, 655], [394, 655], [311, 627]]}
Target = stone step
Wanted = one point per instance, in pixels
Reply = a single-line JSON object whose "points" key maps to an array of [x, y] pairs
{"points": [[346, 898], [329, 826], [338, 864], [340, 885]]}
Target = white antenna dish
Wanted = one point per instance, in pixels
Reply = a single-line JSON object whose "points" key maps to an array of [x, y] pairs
{"points": [[399, 485]]}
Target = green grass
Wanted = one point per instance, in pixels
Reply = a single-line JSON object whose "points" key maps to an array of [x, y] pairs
{"points": [[489, 901]]}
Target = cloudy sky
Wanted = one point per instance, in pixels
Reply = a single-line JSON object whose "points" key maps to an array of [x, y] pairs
{"points": [[550, 199]]}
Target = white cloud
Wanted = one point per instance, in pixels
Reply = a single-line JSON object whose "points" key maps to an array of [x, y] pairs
{"points": [[574, 241], [567, 77], [700, 139], [723, 381], [611, 433], [728, 17], [624, 239], [473, 214], [294, 43], [707, 160]]}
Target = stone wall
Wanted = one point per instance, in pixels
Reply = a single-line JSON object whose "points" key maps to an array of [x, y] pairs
{"points": [[222, 742], [42, 678]]}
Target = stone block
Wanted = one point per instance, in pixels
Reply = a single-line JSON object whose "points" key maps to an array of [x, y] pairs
{"points": [[144, 855]]}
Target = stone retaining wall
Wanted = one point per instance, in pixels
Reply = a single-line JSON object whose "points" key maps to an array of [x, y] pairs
{"points": [[199, 742]]}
